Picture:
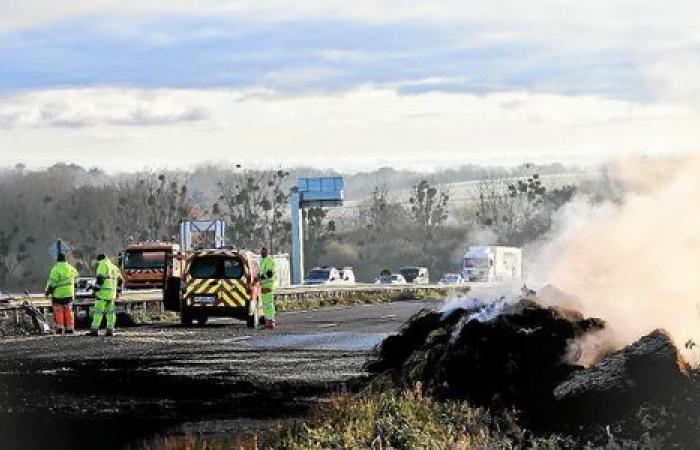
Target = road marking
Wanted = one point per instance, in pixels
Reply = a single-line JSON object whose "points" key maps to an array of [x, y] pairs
{"points": [[237, 339], [327, 325]]}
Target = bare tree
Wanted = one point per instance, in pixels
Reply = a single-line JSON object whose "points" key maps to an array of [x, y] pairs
{"points": [[150, 207], [380, 214], [519, 210], [256, 205], [429, 206]]}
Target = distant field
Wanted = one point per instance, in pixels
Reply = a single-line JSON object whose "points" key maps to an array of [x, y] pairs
{"points": [[463, 193]]}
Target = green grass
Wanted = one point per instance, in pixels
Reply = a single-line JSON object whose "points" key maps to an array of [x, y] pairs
{"points": [[359, 298]]}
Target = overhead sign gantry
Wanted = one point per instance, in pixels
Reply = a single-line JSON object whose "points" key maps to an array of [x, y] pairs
{"points": [[317, 192]]}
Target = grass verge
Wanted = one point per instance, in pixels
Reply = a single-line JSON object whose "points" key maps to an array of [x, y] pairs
{"points": [[385, 420], [358, 298]]}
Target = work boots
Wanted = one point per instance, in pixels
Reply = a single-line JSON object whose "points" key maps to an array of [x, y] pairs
{"points": [[270, 325], [92, 333], [69, 332], [59, 331], [110, 332]]}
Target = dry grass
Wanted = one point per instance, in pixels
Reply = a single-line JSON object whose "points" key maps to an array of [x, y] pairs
{"points": [[381, 421]]}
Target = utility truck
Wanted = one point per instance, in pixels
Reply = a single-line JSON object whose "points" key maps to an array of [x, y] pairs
{"points": [[483, 263], [143, 265]]}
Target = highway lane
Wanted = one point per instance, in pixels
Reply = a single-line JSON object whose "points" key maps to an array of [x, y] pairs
{"points": [[158, 376]]}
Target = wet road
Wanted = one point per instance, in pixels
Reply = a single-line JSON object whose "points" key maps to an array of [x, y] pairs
{"points": [[155, 377]]}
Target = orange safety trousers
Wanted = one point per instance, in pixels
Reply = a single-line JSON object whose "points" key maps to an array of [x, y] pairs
{"points": [[63, 316]]}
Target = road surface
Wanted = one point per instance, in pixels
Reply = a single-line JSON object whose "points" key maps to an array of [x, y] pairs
{"points": [[104, 392]]}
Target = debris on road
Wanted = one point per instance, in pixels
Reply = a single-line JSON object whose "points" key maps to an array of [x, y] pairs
{"points": [[24, 320]]}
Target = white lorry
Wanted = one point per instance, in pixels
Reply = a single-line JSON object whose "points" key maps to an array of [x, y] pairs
{"points": [[492, 264]]}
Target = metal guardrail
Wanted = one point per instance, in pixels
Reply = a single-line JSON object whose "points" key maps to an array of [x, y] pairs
{"points": [[141, 298]]}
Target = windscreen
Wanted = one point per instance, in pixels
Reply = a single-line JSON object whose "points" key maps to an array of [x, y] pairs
{"points": [[410, 273], [216, 267], [144, 260], [319, 275], [476, 263]]}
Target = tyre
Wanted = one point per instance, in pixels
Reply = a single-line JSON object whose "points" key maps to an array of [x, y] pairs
{"points": [[171, 294], [201, 320], [185, 318]]}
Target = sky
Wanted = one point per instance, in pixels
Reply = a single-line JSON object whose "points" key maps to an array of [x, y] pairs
{"points": [[128, 84]]}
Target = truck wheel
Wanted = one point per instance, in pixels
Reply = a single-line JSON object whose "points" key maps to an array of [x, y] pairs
{"points": [[171, 294], [185, 318], [201, 320]]}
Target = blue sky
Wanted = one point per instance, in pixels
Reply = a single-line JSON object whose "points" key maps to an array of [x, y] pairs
{"points": [[374, 75], [300, 55]]}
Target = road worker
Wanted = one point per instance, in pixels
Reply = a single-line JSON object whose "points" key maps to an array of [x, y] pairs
{"points": [[106, 291], [267, 279], [61, 288]]}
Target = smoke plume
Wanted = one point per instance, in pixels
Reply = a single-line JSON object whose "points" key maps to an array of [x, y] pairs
{"points": [[633, 261]]}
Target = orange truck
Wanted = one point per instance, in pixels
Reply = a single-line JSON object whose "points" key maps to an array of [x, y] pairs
{"points": [[144, 265]]}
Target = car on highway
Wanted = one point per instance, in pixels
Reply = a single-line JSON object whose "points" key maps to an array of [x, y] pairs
{"points": [[84, 287], [416, 275], [452, 278], [322, 275], [390, 278]]}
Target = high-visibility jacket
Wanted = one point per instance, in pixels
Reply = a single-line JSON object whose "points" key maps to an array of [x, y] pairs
{"points": [[62, 279], [108, 276], [267, 272]]}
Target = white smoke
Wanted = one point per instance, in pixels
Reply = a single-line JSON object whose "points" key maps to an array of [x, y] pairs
{"points": [[634, 263], [489, 299]]}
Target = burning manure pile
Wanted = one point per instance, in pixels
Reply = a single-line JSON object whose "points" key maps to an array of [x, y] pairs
{"points": [[509, 354], [524, 355]]}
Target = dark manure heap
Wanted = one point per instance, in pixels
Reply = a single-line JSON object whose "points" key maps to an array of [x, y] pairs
{"points": [[522, 356], [517, 357]]}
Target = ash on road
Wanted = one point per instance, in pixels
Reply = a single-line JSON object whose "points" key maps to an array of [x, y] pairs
{"points": [[78, 391]]}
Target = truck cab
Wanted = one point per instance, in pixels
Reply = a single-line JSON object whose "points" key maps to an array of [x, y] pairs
{"points": [[214, 283], [488, 264], [144, 265]]}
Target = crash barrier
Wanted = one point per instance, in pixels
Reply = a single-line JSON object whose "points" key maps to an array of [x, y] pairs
{"points": [[141, 299]]}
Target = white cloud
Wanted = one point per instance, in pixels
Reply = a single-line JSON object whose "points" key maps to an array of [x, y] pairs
{"points": [[354, 129], [657, 38], [79, 108]]}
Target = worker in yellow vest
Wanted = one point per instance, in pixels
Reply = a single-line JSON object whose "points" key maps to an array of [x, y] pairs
{"points": [[107, 285], [61, 288], [267, 280]]}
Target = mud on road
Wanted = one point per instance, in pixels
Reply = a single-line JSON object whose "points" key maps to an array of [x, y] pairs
{"points": [[79, 391]]}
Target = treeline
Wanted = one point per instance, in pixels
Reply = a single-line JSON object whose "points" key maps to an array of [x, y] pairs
{"points": [[95, 212]]}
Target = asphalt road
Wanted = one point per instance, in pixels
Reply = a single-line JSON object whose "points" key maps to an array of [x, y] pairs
{"points": [[85, 392]]}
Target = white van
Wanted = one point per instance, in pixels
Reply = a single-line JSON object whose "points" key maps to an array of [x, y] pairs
{"points": [[416, 275], [347, 275]]}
